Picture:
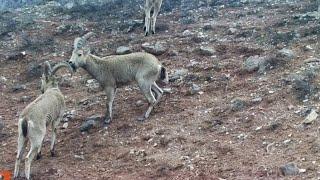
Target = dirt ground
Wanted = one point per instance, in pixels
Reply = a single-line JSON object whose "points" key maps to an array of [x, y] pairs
{"points": [[187, 136]]}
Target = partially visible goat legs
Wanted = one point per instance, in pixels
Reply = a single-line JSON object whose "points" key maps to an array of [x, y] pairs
{"points": [[35, 145], [110, 92], [21, 146], [54, 135], [155, 88], [147, 21], [146, 89], [154, 19]]}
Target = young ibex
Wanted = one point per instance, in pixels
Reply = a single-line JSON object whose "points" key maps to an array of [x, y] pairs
{"points": [[47, 109], [150, 22], [115, 71]]}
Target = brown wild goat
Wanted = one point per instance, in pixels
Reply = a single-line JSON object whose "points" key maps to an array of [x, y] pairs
{"points": [[115, 71], [47, 109]]}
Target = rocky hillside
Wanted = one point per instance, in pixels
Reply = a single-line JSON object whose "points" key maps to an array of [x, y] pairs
{"points": [[242, 102]]}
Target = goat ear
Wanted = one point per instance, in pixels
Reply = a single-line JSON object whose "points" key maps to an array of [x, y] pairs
{"points": [[47, 69]]}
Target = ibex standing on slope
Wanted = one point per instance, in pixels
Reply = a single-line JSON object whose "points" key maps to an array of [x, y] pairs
{"points": [[47, 109], [150, 22], [116, 71]]}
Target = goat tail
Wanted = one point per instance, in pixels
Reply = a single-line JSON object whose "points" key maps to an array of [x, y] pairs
{"points": [[24, 127], [164, 75]]}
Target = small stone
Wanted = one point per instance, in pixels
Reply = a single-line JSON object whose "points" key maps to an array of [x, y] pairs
{"points": [[312, 116], [205, 51], [79, 157], [253, 63], [19, 87], [178, 74], [65, 125], [237, 104], [87, 125], [34, 70], [257, 100], [123, 50], [194, 89], [1, 124], [69, 5], [69, 115], [139, 103], [156, 49], [287, 53], [289, 169], [93, 85], [187, 33], [16, 56], [25, 99], [167, 90], [232, 30]]}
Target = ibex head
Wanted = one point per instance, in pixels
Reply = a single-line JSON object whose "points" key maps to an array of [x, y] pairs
{"points": [[80, 51], [48, 79]]}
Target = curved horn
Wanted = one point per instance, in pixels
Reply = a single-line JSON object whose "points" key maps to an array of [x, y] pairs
{"points": [[47, 68], [81, 41], [88, 35], [60, 65]]}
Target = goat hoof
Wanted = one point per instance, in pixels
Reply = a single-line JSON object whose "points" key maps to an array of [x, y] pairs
{"points": [[107, 121], [39, 156], [53, 154], [146, 34], [152, 32]]}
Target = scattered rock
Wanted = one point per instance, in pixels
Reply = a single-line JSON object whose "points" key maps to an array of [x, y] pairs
{"points": [[194, 89], [90, 122], [173, 53], [16, 56], [93, 85], [302, 87], [207, 27], [286, 53], [34, 70], [256, 100], [79, 157], [232, 30], [167, 90], [69, 115], [19, 88], [94, 118], [254, 63], [178, 74], [87, 125], [187, 33], [25, 99], [311, 117], [123, 50], [238, 104], [205, 51], [65, 125], [69, 5], [1, 124], [139, 103], [289, 169], [156, 49]]}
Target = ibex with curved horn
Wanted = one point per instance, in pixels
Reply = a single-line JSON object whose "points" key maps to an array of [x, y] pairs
{"points": [[47, 109], [116, 71]]}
